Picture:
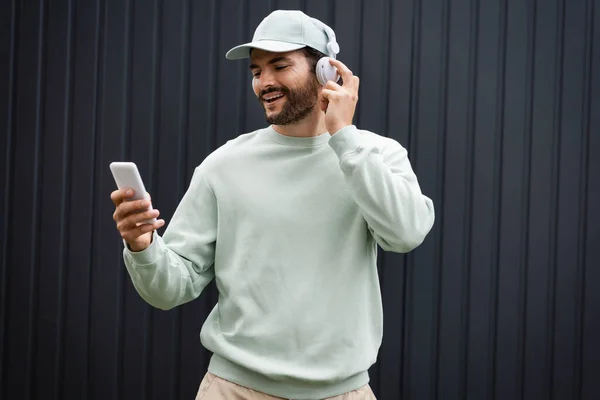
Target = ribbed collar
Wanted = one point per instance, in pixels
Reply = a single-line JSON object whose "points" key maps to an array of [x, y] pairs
{"points": [[297, 141]]}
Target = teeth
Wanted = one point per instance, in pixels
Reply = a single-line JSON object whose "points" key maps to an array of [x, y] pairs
{"points": [[273, 97]]}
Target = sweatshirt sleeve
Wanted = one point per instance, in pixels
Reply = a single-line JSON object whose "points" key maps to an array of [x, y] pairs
{"points": [[386, 190], [175, 268]]}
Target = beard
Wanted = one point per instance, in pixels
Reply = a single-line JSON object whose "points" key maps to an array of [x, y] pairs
{"points": [[298, 104]]}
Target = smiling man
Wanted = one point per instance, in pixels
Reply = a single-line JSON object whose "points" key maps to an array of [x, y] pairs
{"points": [[287, 220]]}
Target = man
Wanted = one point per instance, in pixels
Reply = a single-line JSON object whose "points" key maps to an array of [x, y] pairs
{"points": [[287, 220]]}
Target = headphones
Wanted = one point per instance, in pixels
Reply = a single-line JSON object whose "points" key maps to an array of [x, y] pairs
{"points": [[325, 71]]}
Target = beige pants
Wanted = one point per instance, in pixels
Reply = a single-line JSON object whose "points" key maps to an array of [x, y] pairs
{"points": [[214, 388]]}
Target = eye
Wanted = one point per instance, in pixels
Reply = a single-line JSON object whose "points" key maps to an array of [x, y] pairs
{"points": [[280, 67], [256, 74]]}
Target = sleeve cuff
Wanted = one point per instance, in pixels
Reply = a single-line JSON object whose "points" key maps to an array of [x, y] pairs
{"points": [[147, 256], [345, 141]]}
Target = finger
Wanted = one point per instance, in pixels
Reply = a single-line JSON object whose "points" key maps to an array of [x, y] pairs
{"points": [[331, 85], [351, 90], [134, 220], [344, 71], [118, 196], [139, 218], [130, 207], [330, 95], [138, 231]]}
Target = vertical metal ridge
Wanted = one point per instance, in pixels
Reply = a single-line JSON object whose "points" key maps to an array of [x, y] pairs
{"points": [[99, 48], [497, 195], [242, 71], [470, 176], [176, 355], [65, 205], [213, 77], [555, 186], [526, 193], [126, 90], [156, 90], [7, 215], [331, 13], [582, 222], [441, 185], [415, 84], [126, 97], [40, 90], [409, 258], [184, 94], [175, 370]]}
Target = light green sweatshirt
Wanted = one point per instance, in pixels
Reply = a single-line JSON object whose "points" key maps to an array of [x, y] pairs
{"points": [[288, 227]]}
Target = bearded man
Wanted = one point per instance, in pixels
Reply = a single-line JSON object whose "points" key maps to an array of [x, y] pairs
{"points": [[287, 219]]}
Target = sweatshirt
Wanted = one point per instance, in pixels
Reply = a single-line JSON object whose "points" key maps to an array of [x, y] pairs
{"points": [[288, 227]]}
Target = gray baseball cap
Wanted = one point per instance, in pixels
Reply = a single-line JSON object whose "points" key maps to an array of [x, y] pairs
{"points": [[287, 30]]}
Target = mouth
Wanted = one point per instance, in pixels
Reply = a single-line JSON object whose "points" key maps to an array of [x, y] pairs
{"points": [[273, 98]]}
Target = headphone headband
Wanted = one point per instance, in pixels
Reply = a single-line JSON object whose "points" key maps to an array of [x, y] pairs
{"points": [[333, 48]]}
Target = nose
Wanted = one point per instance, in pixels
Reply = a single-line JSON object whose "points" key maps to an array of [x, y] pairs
{"points": [[263, 81]]}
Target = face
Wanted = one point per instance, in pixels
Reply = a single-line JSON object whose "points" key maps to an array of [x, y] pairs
{"points": [[284, 86]]}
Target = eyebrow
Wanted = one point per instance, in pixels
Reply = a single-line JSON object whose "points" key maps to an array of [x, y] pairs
{"points": [[273, 61]]}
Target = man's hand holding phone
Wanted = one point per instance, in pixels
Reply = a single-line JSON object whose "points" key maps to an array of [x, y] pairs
{"points": [[131, 217]]}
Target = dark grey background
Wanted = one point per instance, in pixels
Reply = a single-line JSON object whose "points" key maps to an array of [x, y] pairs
{"points": [[498, 102]]}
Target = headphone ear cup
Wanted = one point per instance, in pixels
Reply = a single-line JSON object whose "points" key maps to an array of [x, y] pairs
{"points": [[326, 72]]}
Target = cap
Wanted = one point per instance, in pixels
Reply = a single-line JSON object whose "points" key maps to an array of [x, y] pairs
{"points": [[287, 30]]}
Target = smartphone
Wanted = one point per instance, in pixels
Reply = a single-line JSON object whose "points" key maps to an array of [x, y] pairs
{"points": [[127, 176]]}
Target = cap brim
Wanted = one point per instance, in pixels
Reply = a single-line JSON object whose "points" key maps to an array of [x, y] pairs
{"points": [[243, 50]]}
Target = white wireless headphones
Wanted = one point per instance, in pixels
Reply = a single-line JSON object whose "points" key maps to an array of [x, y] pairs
{"points": [[325, 71]]}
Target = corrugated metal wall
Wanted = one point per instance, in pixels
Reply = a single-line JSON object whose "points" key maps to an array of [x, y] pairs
{"points": [[498, 102]]}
